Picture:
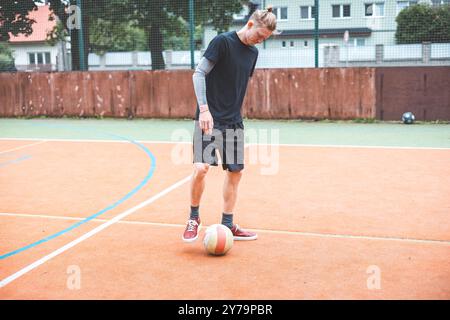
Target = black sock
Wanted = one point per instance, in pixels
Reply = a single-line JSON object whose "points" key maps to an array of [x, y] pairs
{"points": [[194, 213], [227, 219]]}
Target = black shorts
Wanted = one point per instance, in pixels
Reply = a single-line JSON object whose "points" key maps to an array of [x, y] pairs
{"points": [[227, 139]]}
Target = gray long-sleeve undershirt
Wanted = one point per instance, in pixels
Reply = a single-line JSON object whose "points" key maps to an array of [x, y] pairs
{"points": [[203, 68]]}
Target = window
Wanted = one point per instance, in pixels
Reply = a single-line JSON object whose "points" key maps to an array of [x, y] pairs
{"points": [[357, 42], [32, 58], [440, 2], [374, 9], [379, 9], [283, 44], [360, 42], [346, 10], [307, 12], [336, 11], [304, 12], [341, 11], [369, 10], [280, 13], [39, 58], [404, 4], [305, 44], [283, 13], [292, 44]]}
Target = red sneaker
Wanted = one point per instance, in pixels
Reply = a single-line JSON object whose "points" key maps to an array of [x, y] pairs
{"points": [[240, 234], [192, 228]]}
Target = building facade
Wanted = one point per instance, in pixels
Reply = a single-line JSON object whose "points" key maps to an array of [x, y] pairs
{"points": [[368, 22], [32, 52]]}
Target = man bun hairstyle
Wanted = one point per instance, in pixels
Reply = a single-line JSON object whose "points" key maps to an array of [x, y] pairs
{"points": [[265, 18]]}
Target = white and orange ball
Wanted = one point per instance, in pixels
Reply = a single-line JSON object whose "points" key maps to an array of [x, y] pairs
{"points": [[218, 239]]}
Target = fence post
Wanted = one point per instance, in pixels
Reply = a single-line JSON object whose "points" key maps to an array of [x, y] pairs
{"points": [[168, 54], [191, 32], [379, 53], [81, 48], [60, 56], [316, 35], [103, 61], [335, 55], [326, 56], [134, 59], [426, 52]]}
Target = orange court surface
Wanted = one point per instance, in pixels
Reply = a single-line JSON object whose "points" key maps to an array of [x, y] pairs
{"points": [[86, 216]]}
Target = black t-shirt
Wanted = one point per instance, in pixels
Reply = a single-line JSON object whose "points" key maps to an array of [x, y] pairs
{"points": [[226, 84]]}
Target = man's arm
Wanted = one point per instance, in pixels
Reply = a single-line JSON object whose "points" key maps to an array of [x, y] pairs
{"points": [[199, 78], [203, 68]]}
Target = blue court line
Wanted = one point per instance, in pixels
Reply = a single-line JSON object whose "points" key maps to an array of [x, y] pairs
{"points": [[95, 215], [20, 159]]}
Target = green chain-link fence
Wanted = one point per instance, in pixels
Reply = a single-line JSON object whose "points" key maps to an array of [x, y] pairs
{"points": [[63, 35]]}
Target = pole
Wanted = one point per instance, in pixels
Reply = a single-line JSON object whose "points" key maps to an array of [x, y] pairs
{"points": [[264, 7], [346, 39], [191, 32], [81, 36], [316, 35]]}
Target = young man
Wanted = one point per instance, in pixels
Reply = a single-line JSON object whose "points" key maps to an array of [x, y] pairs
{"points": [[220, 82]]}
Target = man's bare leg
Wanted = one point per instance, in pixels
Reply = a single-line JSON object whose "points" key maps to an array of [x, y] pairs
{"points": [[198, 183], [230, 190], [197, 186]]}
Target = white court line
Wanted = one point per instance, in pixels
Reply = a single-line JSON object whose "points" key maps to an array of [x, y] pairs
{"points": [[97, 140], [296, 233], [301, 145], [344, 146], [25, 146], [89, 234], [43, 216]]}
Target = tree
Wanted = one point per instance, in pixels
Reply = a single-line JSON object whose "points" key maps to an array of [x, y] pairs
{"points": [[14, 18], [423, 23], [6, 58], [90, 11], [158, 17], [108, 21], [180, 40], [441, 25], [105, 35]]}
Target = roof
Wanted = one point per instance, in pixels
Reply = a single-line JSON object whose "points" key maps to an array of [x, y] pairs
{"points": [[40, 28]]}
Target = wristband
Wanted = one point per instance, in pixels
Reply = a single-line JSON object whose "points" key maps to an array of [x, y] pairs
{"points": [[203, 108]]}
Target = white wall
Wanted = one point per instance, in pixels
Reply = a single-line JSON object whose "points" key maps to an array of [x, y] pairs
{"points": [[20, 53], [141, 60], [273, 57], [350, 53], [440, 50], [403, 51]]}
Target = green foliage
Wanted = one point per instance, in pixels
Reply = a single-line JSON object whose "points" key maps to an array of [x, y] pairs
{"points": [[155, 25], [14, 18], [441, 24], [6, 58], [105, 35], [423, 23], [180, 41], [218, 13], [58, 33], [166, 21]]}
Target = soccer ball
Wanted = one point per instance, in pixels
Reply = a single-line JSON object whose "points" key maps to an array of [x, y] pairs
{"points": [[408, 118]]}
